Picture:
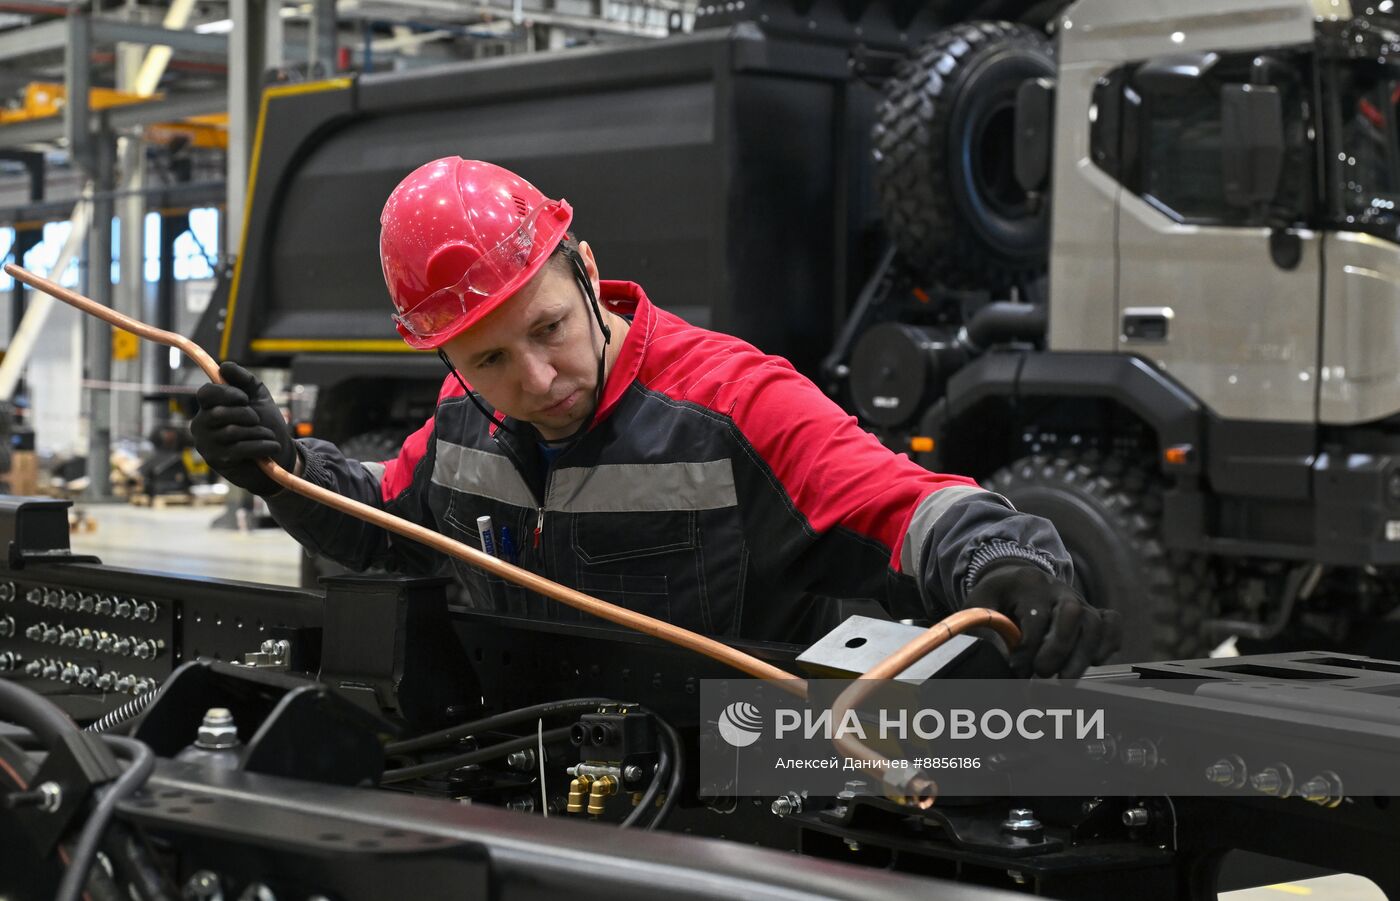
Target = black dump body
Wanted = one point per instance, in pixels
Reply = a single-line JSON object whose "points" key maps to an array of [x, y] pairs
{"points": [[726, 171]]}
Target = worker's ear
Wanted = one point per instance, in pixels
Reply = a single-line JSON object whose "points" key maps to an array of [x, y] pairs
{"points": [[590, 266]]}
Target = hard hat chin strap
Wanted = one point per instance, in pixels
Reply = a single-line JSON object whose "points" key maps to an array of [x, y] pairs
{"points": [[581, 273], [471, 395]]}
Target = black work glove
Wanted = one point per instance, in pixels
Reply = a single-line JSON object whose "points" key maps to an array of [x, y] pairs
{"points": [[238, 424], [1060, 633]]}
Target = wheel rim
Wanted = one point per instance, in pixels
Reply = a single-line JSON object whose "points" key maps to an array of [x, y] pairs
{"points": [[993, 161]]}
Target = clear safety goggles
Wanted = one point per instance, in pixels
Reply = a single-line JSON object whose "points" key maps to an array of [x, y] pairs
{"points": [[493, 273]]}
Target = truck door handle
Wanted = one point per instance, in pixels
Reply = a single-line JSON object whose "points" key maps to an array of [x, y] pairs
{"points": [[1146, 323]]}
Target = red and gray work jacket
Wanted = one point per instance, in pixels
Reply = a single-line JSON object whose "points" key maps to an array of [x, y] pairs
{"points": [[716, 489]]}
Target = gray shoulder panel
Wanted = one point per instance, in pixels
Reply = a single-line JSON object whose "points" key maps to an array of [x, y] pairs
{"points": [[927, 514]]}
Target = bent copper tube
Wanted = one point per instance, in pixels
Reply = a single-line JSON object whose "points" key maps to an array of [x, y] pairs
{"points": [[921, 791], [647, 625]]}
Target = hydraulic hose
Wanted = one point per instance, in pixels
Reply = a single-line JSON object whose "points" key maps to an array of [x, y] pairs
{"points": [[85, 851], [482, 755], [508, 718], [32, 711]]}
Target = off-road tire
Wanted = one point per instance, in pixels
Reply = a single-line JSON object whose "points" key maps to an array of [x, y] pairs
{"points": [[943, 145], [1108, 515]]}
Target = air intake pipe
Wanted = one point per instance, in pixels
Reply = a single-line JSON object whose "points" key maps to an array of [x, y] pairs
{"points": [[1002, 322], [898, 369]]}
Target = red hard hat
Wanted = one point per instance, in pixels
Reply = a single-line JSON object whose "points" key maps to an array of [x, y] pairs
{"points": [[457, 237]]}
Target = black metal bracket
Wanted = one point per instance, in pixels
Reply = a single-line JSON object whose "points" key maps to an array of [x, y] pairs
{"points": [[290, 726], [389, 647], [35, 530]]}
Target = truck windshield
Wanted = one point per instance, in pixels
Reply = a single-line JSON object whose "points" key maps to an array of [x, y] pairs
{"points": [[1365, 158]]}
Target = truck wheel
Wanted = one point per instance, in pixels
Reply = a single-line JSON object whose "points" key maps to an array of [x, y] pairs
{"points": [[375, 446], [943, 147], [1108, 514]]}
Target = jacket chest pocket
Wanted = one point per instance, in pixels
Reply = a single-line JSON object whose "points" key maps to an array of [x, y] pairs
{"points": [[485, 591], [613, 538], [646, 562]]}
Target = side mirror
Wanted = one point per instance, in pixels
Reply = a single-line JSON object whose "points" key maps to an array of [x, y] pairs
{"points": [[1251, 143], [1035, 133]]}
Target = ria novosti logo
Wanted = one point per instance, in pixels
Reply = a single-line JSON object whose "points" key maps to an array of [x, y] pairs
{"points": [[740, 724]]}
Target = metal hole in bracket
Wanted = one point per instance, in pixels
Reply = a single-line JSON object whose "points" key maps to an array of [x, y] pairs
{"points": [[855, 642]]}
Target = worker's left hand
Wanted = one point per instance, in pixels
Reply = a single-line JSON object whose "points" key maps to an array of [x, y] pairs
{"points": [[1061, 635]]}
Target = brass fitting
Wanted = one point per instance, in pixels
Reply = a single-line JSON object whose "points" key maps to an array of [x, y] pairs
{"points": [[603, 787], [578, 793]]}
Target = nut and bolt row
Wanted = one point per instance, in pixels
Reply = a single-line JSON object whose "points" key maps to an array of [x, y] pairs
{"points": [[86, 602], [71, 673], [89, 640]]}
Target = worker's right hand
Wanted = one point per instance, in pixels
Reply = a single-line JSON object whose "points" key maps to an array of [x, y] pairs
{"points": [[239, 423], [1061, 635]]}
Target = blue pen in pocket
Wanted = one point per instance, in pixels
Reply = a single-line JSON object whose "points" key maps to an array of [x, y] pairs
{"points": [[508, 545]]}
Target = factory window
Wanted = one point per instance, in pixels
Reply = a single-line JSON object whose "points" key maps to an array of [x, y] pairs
{"points": [[7, 243], [152, 248], [42, 256], [195, 249]]}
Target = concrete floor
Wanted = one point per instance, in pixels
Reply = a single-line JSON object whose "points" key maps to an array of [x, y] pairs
{"points": [[1326, 888], [181, 540]]}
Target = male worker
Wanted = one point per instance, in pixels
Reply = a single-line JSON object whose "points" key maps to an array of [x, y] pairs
{"points": [[625, 453]]}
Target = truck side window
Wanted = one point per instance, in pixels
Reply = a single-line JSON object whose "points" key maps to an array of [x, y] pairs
{"points": [[1181, 155], [1178, 149], [1368, 156]]}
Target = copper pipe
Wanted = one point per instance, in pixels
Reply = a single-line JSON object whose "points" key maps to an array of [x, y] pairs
{"points": [[940, 632], [921, 791], [895, 664], [630, 619]]}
